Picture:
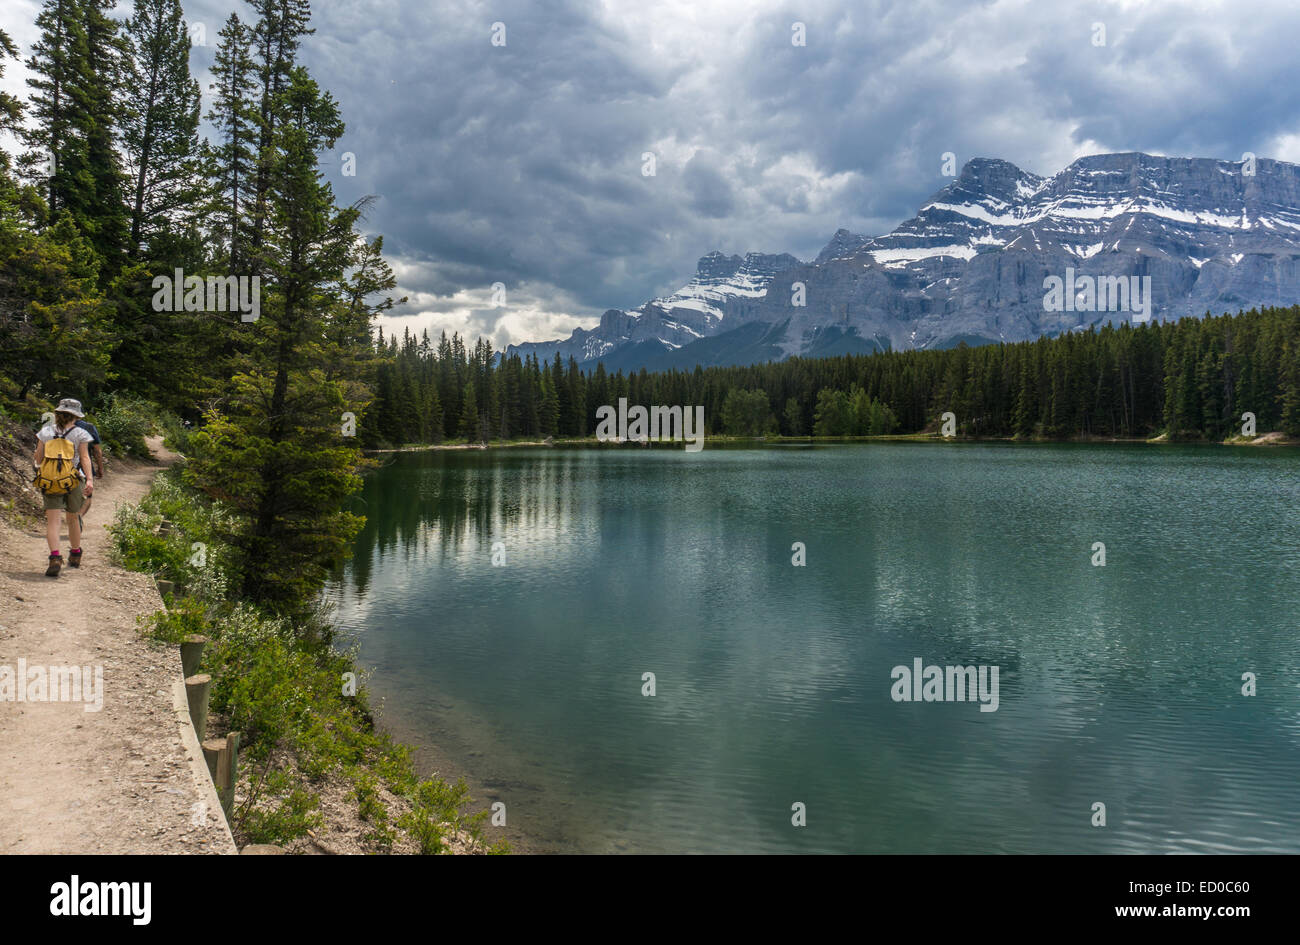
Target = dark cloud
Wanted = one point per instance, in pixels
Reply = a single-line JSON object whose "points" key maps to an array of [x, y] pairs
{"points": [[523, 164], [707, 184]]}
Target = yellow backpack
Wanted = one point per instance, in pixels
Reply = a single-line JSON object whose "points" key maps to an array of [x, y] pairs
{"points": [[58, 474]]}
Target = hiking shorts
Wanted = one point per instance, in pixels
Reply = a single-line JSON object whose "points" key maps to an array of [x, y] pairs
{"points": [[72, 501]]}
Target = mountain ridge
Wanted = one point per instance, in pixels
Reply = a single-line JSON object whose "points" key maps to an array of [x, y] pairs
{"points": [[971, 265]]}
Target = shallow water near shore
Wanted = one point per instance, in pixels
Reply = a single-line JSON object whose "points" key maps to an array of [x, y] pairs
{"points": [[1118, 685]]}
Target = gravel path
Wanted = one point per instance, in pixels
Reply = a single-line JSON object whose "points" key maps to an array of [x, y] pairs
{"points": [[117, 780]]}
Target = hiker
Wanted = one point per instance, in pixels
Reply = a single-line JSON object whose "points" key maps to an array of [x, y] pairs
{"points": [[96, 464], [65, 476]]}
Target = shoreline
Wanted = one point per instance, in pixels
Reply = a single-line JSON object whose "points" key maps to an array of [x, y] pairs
{"points": [[432, 759], [1270, 439]]}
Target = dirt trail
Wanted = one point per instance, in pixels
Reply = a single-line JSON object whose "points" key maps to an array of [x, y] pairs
{"points": [[117, 780]]}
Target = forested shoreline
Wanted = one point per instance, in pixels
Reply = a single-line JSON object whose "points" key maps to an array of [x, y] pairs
{"points": [[1189, 380]]}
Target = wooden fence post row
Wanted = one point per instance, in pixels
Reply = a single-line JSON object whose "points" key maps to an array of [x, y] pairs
{"points": [[221, 754]]}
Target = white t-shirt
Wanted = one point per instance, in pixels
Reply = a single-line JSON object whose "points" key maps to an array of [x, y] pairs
{"points": [[76, 436]]}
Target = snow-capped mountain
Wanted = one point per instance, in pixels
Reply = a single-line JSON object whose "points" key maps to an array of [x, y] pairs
{"points": [[724, 287], [971, 266]]}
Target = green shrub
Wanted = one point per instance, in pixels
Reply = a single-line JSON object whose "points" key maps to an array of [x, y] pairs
{"points": [[182, 618], [266, 692], [123, 422], [371, 809], [366, 793], [296, 812], [424, 829], [138, 546]]}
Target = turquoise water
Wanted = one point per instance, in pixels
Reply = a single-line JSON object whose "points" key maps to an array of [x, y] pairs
{"points": [[1118, 684]]}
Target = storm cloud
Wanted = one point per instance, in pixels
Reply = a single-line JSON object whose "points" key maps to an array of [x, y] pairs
{"points": [[526, 164]]}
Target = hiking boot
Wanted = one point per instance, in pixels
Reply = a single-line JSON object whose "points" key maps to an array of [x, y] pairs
{"points": [[55, 563], [74, 558]]}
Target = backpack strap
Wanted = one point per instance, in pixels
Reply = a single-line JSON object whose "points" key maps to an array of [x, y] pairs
{"points": [[76, 457]]}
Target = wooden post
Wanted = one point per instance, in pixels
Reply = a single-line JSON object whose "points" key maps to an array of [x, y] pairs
{"points": [[222, 756], [212, 749], [228, 772], [191, 654], [197, 689]]}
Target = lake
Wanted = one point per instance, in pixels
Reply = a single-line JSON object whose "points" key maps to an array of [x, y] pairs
{"points": [[774, 684]]}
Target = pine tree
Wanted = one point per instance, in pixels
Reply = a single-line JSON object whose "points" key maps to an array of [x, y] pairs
{"points": [[232, 162], [549, 408], [11, 108], [532, 391], [101, 210], [275, 452], [76, 77], [435, 431], [54, 322], [57, 67], [577, 401], [19, 204], [469, 419], [362, 300], [1023, 414], [160, 123], [276, 36], [793, 418]]}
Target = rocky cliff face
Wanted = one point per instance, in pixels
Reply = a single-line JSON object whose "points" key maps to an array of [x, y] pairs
{"points": [[976, 262], [972, 264]]}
